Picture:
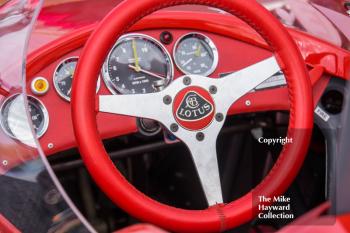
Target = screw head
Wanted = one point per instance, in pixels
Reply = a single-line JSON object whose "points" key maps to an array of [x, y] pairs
{"points": [[219, 117], [200, 136], [174, 127], [52, 197], [5, 162], [213, 89], [167, 99], [187, 81], [248, 103]]}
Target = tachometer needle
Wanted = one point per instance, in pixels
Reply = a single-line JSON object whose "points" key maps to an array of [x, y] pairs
{"points": [[198, 51], [136, 57], [146, 72]]}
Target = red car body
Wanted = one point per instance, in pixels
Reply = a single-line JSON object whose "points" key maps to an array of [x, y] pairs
{"points": [[64, 26]]}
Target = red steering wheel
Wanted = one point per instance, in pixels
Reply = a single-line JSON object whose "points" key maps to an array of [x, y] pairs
{"points": [[175, 108]]}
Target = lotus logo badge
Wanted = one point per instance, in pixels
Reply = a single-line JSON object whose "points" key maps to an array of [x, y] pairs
{"points": [[194, 107], [192, 101]]}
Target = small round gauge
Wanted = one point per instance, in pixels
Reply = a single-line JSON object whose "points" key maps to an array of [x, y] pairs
{"points": [[195, 53], [137, 64], [63, 77], [14, 118]]}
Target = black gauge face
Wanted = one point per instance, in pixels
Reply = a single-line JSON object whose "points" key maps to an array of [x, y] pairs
{"points": [[196, 54], [37, 114], [138, 64], [63, 77], [14, 121]]}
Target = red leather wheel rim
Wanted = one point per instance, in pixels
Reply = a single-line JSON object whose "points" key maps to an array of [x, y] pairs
{"points": [[220, 217]]}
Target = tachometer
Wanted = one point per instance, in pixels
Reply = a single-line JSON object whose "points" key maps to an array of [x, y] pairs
{"points": [[14, 118], [195, 53], [137, 64], [63, 77]]}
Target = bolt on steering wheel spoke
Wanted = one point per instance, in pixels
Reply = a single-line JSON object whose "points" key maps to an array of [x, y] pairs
{"points": [[149, 106], [202, 100]]}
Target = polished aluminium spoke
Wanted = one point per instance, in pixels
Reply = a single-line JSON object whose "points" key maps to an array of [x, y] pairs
{"points": [[149, 106], [236, 85], [204, 154], [229, 90], [204, 157]]}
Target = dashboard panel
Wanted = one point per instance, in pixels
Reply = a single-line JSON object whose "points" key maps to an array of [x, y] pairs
{"points": [[237, 47], [232, 54]]}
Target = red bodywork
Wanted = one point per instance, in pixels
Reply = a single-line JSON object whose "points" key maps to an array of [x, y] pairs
{"points": [[324, 60], [44, 61]]}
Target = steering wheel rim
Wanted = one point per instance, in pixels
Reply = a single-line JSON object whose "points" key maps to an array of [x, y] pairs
{"points": [[219, 217]]}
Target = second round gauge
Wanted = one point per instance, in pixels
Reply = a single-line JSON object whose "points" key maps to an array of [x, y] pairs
{"points": [[63, 77], [195, 53]]}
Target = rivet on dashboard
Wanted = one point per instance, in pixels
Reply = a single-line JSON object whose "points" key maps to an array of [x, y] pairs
{"points": [[50, 145], [5, 162], [248, 103], [52, 197]]}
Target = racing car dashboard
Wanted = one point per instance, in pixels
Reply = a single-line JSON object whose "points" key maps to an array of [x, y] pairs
{"points": [[145, 60]]}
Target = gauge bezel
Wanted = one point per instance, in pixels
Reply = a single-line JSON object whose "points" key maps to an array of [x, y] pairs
{"points": [[30, 98], [105, 74], [211, 45], [55, 81]]}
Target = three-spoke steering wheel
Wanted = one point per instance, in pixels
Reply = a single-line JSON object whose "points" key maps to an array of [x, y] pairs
{"points": [[194, 108]]}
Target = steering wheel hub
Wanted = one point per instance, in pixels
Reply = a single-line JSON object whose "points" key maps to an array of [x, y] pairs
{"points": [[194, 108]]}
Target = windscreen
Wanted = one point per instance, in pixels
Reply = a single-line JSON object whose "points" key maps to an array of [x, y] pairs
{"points": [[30, 200]]}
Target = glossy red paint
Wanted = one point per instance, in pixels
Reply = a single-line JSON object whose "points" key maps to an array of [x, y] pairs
{"points": [[6, 226], [335, 60], [308, 223], [219, 217], [313, 49], [345, 221], [141, 228], [43, 61]]}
